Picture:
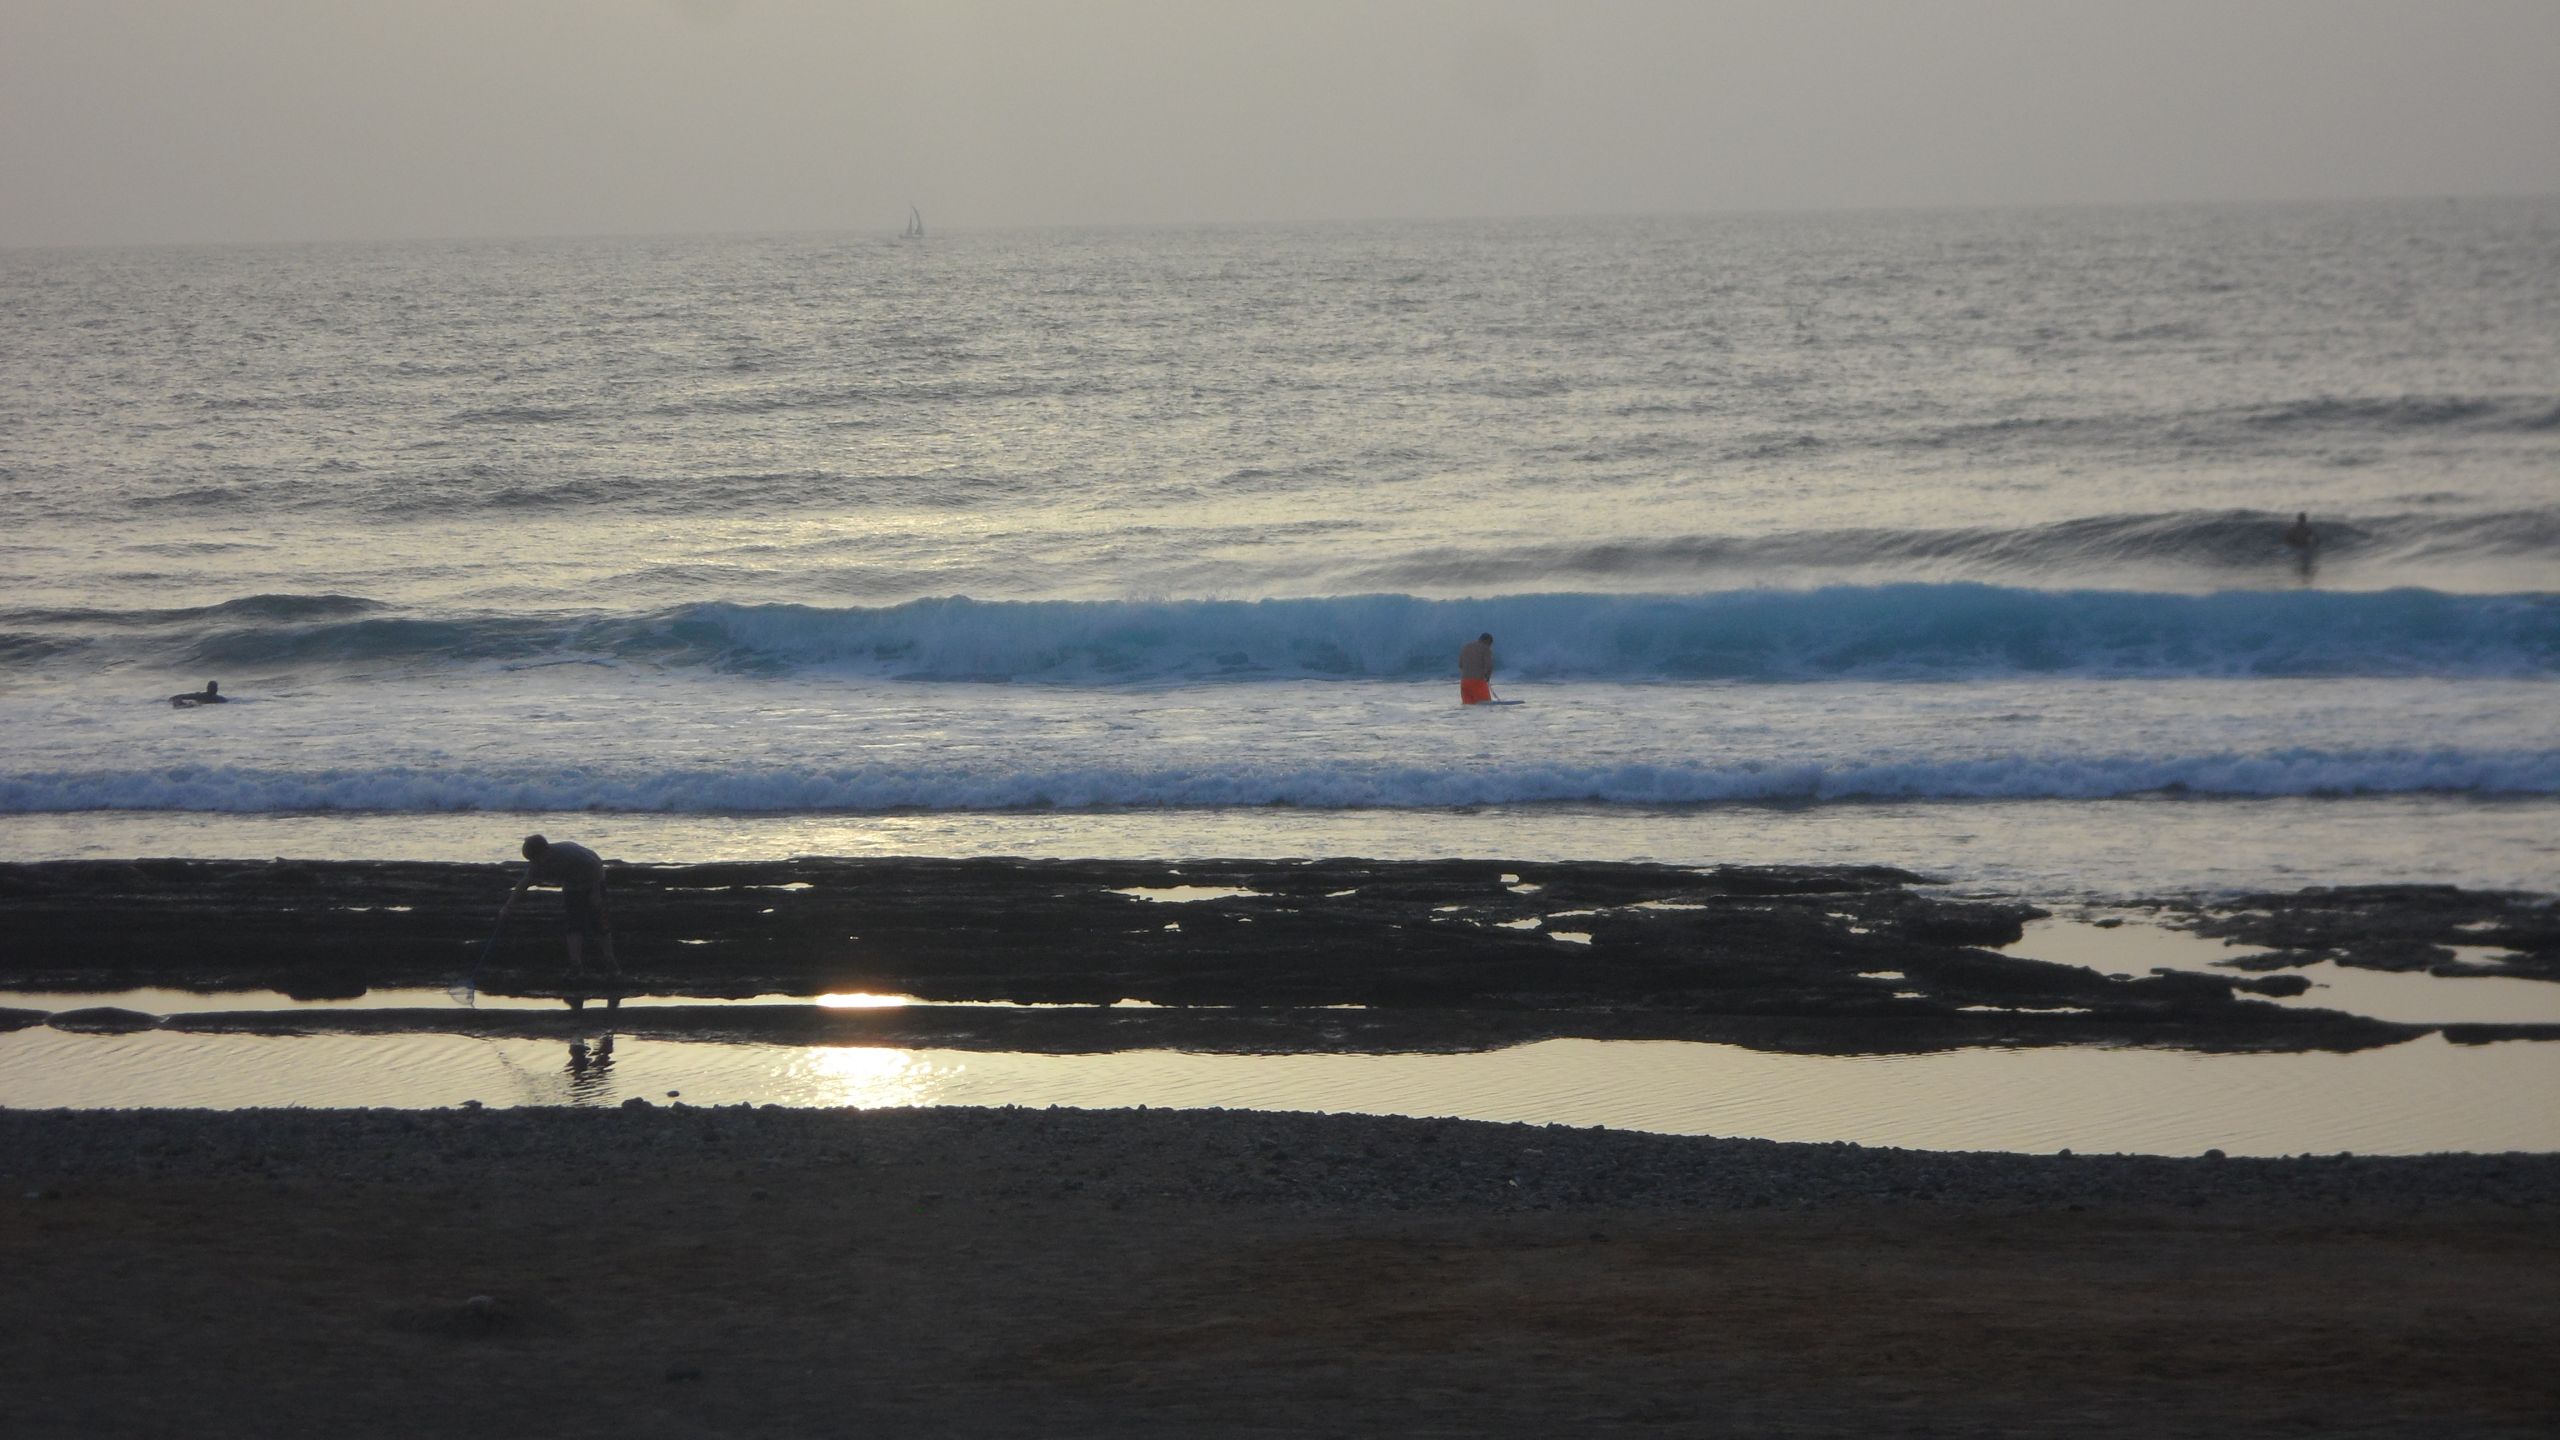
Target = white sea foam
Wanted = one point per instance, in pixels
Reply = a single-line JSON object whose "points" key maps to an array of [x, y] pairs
{"points": [[707, 741], [1342, 785]]}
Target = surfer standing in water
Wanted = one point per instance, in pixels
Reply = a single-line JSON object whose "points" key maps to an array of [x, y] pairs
{"points": [[2304, 542], [579, 872], [1475, 671]]}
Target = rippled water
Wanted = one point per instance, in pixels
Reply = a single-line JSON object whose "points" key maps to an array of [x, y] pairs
{"points": [[1813, 510], [2412, 1098], [2417, 1098]]}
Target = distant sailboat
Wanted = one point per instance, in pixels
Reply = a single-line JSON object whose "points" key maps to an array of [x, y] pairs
{"points": [[915, 223]]}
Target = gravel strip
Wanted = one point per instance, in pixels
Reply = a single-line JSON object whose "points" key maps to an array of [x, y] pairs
{"points": [[1145, 1158]]}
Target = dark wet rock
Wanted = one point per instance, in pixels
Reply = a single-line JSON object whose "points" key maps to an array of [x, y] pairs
{"points": [[2281, 986], [2491, 1034], [2405, 956], [1455, 954], [102, 1020], [2405, 928], [2533, 930], [2262, 961], [2187, 984], [1810, 880], [11, 1019], [340, 985], [1970, 924]]}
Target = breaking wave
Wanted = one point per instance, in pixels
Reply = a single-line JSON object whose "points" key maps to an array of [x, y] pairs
{"points": [[1911, 632], [1344, 784]]}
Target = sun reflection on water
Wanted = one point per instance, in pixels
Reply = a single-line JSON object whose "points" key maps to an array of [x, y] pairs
{"points": [[867, 1077], [863, 1000]]}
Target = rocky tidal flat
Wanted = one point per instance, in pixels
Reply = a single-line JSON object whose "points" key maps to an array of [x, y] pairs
{"points": [[1238, 955], [659, 1268]]}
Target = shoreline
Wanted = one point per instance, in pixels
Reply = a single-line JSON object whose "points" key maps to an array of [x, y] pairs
{"points": [[1236, 1157], [2101, 852], [670, 1270]]}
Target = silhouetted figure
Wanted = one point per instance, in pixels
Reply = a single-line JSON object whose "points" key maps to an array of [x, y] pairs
{"points": [[211, 694], [1475, 671], [2304, 542], [579, 872]]}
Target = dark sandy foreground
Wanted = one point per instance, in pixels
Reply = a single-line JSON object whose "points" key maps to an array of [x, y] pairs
{"points": [[676, 1272]]}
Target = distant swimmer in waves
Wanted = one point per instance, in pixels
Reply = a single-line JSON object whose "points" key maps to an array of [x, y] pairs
{"points": [[2304, 542], [1475, 671], [579, 872], [211, 694]]}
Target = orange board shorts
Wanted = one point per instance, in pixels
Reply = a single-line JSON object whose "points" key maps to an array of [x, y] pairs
{"points": [[1474, 692]]}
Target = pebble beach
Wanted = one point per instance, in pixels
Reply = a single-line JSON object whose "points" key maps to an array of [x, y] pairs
{"points": [[659, 1269]]}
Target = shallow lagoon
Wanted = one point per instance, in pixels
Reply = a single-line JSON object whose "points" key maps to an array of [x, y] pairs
{"points": [[2419, 1097]]}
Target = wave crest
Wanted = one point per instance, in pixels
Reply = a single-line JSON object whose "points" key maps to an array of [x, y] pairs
{"points": [[1345, 785], [1911, 632], [1889, 632]]}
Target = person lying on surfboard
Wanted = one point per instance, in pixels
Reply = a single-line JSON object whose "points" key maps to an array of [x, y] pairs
{"points": [[1475, 671], [211, 694]]}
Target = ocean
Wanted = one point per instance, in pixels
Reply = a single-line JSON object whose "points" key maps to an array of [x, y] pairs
{"points": [[1946, 540]]}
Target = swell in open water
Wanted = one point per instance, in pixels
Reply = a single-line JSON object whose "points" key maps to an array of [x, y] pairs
{"points": [[1947, 510]]}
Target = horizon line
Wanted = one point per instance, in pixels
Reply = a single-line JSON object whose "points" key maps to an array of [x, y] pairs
{"points": [[1312, 222]]}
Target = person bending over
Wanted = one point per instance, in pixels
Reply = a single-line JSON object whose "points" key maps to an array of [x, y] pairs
{"points": [[579, 872], [1475, 671]]}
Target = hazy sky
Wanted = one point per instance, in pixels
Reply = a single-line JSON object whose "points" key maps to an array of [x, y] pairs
{"points": [[162, 120]]}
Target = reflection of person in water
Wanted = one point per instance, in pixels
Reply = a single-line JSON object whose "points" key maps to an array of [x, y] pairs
{"points": [[2304, 542], [211, 694], [590, 1066]]}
